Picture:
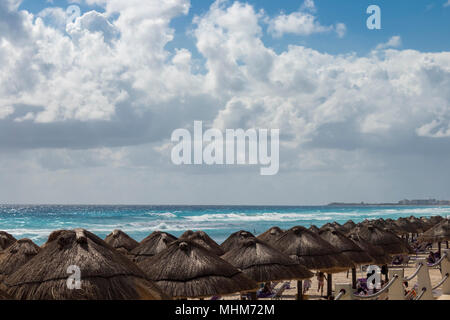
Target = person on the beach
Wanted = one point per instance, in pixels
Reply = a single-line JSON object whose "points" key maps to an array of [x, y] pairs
{"points": [[431, 258], [321, 280], [306, 286]]}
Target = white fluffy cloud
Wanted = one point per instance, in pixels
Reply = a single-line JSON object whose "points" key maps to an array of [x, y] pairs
{"points": [[302, 22], [393, 42], [107, 80]]}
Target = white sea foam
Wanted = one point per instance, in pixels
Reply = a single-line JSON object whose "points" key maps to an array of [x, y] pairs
{"points": [[316, 215], [267, 216], [162, 214]]}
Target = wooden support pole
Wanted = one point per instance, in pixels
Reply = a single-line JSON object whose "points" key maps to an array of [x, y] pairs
{"points": [[329, 285], [299, 290]]}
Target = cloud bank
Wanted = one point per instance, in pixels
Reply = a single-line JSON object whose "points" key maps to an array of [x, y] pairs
{"points": [[105, 92]]}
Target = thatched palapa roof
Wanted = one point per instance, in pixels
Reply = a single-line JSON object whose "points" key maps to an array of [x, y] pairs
{"points": [[204, 240], [151, 245], [418, 224], [16, 255], [188, 270], [310, 250], [105, 273], [439, 233], [6, 240], [348, 226], [4, 295], [235, 239], [388, 241], [261, 262], [405, 225], [379, 257], [271, 235], [121, 241], [346, 246], [332, 225], [314, 229]]}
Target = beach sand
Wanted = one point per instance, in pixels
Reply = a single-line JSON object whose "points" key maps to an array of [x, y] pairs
{"points": [[342, 277]]}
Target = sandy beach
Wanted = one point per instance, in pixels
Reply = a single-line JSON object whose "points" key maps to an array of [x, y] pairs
{"points": [[342, 277]]}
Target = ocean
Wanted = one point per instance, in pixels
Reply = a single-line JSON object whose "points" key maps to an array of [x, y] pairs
{"points": [[38, 221]]}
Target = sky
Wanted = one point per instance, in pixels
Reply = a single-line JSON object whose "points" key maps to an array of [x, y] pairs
{"points": [[88, 101]]}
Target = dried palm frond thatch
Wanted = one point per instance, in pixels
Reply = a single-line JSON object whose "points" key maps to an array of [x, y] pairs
{"points": [[16, 255], [388, 241], [314, 229], [6, 240], [418, 224], [348, 226], [202, 238], [4, 295], [263, 263], [405, 225], [439, 233], [332, 226], [379, 257], [271, 235], [310, 250], [188, 270], [234, 240], [121, 241], [105, 274], [151, 245], [346, 246]]}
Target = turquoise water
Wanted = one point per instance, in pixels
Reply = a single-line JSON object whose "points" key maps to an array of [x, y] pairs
{"points": [[37, 222]]}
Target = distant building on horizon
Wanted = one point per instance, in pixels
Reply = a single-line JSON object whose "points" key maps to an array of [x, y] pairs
{"points": [[429, 202]]}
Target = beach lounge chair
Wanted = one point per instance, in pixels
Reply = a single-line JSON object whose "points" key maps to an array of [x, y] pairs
{"points": [[261, 294], [279, 292], [362, 283]]}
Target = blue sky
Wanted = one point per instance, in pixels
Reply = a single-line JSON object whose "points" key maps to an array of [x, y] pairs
{"points": [[423, 25], [87, 108]]}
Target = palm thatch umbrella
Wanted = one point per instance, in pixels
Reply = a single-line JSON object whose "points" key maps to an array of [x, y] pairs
{"points": [[235, 239], [105, 274], [121, 241], [4, 295], [204, 240], [348, 226], [405, 225], [379, 257], [418, 224], [188, 270], [332, 225], [426, 223], [263, 263], [393, 227], [310, 250], [439, 233], [314, 229], [151, 245], [271, 235], [6, 240], [348, 248], [383, 238], [16, 255], [436, 219]]}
